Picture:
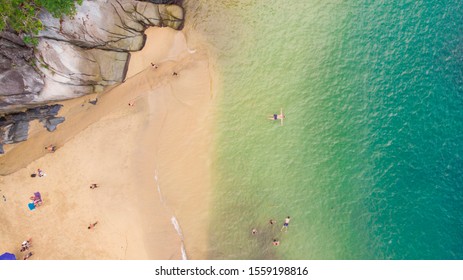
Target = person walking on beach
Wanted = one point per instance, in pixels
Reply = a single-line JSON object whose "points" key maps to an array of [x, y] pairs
{"points": [[51, 148], [28, 255], [275, 242], [93, 186], [286, 224], [91, 226], [155, 66], [40, 173], [272, 222], [254, 231], [174, 74]]}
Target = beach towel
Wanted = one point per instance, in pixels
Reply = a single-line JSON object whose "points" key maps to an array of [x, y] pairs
{"points": [[31, 206], [38, 196], [7, 256]]}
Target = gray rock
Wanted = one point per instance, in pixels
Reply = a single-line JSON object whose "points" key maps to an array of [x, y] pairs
{"points": [[19, 131], [79, 71], [51, 123], [43, 111], [14, 132], [19, 80], [5, 133], [14, 127]]}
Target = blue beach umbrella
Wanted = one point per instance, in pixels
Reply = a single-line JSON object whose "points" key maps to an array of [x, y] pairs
{"points": [[7, 256]]}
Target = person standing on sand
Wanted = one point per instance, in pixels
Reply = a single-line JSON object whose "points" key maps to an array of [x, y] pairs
{"points": [[28, 255], [26, 245], [51, 148], [286, 224], [40, 173], [92, 225]]}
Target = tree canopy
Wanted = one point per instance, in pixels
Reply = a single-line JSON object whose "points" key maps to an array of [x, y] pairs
{"points": [[22, 15]]}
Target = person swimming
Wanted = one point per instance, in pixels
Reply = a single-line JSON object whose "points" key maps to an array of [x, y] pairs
{"points": [[286, 224], [277, 117]]}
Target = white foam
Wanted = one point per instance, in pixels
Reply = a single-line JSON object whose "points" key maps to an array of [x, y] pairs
{"points": [[184, 257], [180, 234], [177, 227], [158, 186]]}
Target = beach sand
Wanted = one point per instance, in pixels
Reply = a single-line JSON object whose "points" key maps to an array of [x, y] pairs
{"points": [[150, 160]]}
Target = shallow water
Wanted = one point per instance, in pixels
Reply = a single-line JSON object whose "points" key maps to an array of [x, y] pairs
{"points": [[369, 161]]}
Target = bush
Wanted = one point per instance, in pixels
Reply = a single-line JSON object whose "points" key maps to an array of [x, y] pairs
{"points": [[22, 15]]}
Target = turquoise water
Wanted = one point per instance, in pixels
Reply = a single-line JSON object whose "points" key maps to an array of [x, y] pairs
{"points": [[369, 162]]}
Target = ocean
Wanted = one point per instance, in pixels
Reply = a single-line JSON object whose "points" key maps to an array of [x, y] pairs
{"points": [[369, 161]]}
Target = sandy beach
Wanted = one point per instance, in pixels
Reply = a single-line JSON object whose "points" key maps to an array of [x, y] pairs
{"points": [[150, 161]]}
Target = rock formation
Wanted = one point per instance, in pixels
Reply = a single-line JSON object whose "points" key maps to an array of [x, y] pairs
{"points": [[14, 127], [19, 81]]}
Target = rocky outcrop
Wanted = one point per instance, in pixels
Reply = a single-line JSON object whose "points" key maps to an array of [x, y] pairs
{"points": [[78, 55], [14, 127], [19, 80]]}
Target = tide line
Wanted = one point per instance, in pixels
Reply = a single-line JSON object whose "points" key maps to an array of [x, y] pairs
{"points": [[173, 220]]}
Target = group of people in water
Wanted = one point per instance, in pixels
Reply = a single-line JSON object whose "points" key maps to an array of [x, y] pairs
{"points": [[285, 226], [275, 241]]}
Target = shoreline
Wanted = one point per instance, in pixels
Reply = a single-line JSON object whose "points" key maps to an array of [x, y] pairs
{"points": [[111, 144]]}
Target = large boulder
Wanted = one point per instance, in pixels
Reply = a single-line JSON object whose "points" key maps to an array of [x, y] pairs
{"points": [[19, 80], [72, 71]]}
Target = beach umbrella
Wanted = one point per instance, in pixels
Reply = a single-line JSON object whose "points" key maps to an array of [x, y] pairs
{"points": [[7, 256]]}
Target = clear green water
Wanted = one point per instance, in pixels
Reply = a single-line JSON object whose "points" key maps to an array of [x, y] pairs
{"points": [[369, 163]]}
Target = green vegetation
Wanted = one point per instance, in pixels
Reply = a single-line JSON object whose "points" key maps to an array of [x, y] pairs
{"points": [[22, 15]]}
